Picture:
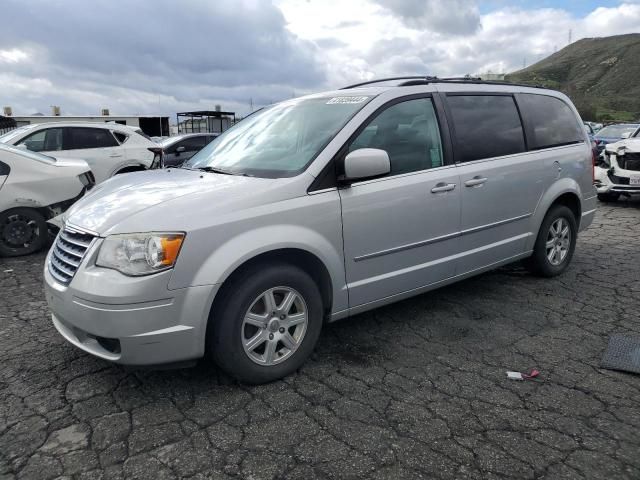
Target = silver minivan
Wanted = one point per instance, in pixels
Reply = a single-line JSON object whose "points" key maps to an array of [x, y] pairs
{"points": [[316, 209]]}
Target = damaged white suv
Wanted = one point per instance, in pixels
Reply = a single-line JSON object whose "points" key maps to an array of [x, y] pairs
{"points": [[617, 170]]}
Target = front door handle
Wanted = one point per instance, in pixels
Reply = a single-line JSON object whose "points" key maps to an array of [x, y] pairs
{"points": [[443, 187], [475, 181]]}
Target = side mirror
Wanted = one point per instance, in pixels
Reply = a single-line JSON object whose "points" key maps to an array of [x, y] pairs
{"points": [[366, 163], [625, 135], [22, 146]]}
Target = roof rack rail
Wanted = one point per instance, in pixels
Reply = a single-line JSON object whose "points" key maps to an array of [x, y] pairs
{"points": [[425, 80], [388, 79]]}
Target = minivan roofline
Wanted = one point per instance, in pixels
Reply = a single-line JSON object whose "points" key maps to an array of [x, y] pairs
{"points": [[413, 80]]}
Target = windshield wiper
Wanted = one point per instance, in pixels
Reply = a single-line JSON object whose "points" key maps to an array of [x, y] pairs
{"points": [[215, 170], [223, 172]]}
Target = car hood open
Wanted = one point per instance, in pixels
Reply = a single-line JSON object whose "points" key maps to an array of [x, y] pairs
{"points": [[75, 163], [630, 144], [120, 200]]}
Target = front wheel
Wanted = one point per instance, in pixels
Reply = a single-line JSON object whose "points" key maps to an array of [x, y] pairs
{"points": [[555, 243], [22, 231], [266, 323]]}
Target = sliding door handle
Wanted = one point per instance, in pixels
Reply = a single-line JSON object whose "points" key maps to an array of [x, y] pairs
{"points": [[475, 181], [443, 187]]}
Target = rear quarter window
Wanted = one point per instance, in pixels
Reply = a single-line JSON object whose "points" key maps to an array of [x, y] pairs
{"points": [[550, 121], [121, 137]]}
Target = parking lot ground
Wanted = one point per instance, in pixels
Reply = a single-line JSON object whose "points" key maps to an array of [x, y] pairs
{"points": [[413, 390]]}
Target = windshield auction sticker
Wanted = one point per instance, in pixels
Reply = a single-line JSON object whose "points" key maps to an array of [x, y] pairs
{"points": [[343, 100]]}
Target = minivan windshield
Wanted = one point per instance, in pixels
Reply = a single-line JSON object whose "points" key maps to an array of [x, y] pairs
{"points": [[280, 140]]}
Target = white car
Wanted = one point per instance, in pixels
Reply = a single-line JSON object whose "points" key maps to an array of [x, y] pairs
{"points": [[108, 148], [33, 189], [617, 170]]}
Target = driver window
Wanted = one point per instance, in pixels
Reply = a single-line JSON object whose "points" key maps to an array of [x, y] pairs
{"points": [[408, 132]]}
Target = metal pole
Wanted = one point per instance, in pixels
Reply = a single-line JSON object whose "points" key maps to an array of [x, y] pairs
{"points": [[159, 115]]}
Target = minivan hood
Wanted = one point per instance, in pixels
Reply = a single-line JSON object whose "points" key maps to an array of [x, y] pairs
{"points": [[123, 196]]}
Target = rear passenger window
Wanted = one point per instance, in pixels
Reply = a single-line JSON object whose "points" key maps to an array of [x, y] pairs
{"points": [[408, 132], [550, 121], [485, 126], [80, 138]]}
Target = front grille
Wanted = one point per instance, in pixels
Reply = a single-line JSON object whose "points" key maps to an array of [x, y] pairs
{"points": [[68, 251], [629, 161], [618, 180]]}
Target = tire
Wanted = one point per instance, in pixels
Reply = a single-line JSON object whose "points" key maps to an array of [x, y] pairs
{"points": [[229, 330], [22, 231], [539, 263], [608, 197]]}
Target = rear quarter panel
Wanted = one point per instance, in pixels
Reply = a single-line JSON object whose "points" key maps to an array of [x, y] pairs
{"points": [[136, 150], [571, 169], [33, 184]]}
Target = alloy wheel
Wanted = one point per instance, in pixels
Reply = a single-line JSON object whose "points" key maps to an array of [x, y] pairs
{"points": [[558, 241], [274, 326]]}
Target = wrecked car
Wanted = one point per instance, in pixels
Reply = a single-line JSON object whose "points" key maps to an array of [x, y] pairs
{"points": [[33, 189], [617, 171], [614, 133]]}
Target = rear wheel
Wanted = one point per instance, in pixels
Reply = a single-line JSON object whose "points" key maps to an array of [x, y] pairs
{"points": [[555, 243], [266, 323], [608, 197], [22, 231]]}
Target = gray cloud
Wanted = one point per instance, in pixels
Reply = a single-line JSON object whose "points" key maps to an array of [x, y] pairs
{"points": [[330, 42], [188, 52], [455, 17], [168, 56]]}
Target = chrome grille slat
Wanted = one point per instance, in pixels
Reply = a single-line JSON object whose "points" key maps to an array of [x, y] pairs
{"points": [[59, 277], [67, 254], [68, 250], [62, 267], [76, 241], [60, 255]]}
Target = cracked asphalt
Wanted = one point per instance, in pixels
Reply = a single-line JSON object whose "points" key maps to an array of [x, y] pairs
{"points": [[413, 390]]}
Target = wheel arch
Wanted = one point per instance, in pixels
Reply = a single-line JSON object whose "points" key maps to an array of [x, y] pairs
{"points": [[572, 201], [303, 259], [564, 192]]}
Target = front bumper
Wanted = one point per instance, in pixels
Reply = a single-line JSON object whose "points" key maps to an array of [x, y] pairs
{"points": [[129, 320], [618, 182]]}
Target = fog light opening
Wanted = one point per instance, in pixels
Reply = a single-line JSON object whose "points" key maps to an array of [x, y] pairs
{"points": [[110, 344]]}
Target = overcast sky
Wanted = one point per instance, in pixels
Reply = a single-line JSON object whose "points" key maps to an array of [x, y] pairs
{"points": [[166, 55]]}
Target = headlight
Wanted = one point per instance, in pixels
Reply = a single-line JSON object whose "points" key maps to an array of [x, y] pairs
{"points": [[140, 253]]}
